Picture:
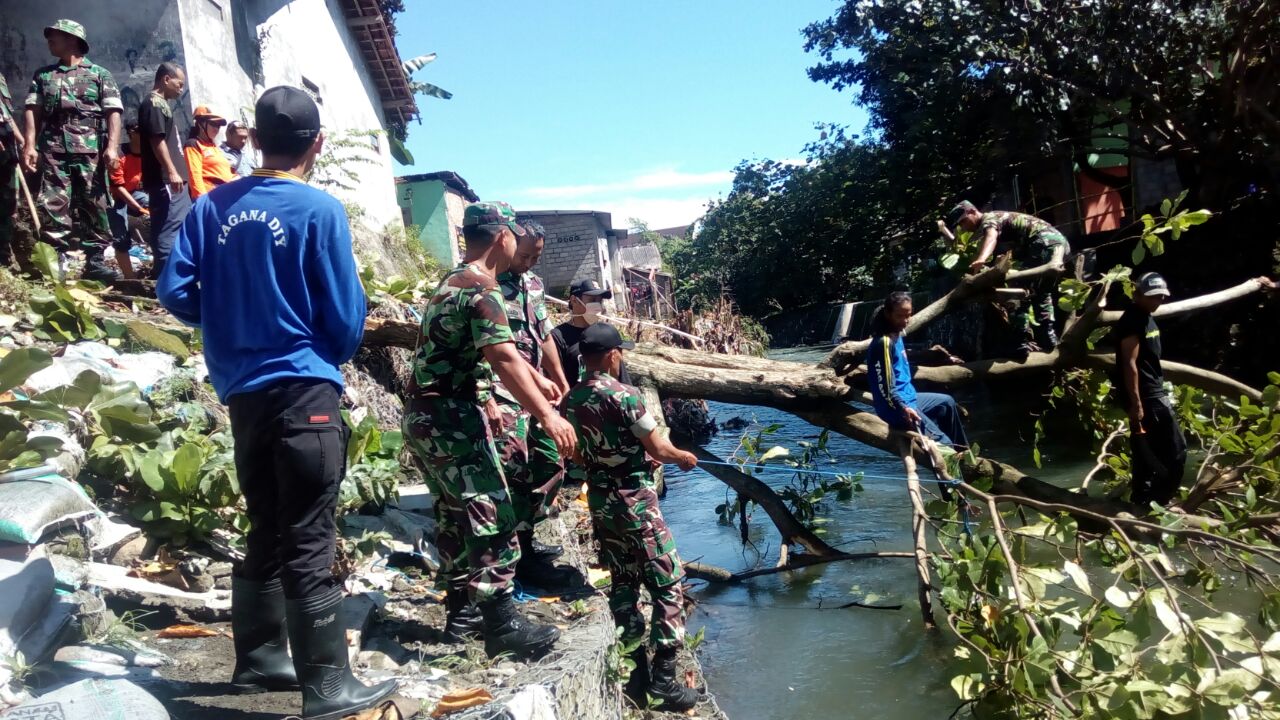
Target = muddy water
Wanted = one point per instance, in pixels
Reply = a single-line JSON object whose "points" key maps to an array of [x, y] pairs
{"points": [[769, 653]]}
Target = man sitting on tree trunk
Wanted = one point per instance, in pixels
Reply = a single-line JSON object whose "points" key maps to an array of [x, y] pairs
{"points": [[1034, 242], [1158, 452], [935, 415]]}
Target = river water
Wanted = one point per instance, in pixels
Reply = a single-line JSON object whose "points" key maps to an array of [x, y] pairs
{"points": [[769, 654]]}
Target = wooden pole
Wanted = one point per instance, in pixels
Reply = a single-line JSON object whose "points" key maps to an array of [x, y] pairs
{"points": [[31, 204]]}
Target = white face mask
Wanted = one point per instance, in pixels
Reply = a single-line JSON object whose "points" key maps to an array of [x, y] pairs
{"points": [[591, 311]]}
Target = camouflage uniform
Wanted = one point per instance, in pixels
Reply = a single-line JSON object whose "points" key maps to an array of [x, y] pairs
{"points": [[73, 191], [530, 459], [446, 427], [635, 544], [1033, 241], [8, 173]]}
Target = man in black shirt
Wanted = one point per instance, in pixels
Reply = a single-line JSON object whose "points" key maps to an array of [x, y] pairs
{"points": [[1158, 452], [164, 167], [585, 305]]}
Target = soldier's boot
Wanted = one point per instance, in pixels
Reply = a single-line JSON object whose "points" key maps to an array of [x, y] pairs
{"points": [[672, 694], [319, 640], [540, 571], [506, 631], [531, 546], [257, 625], [96, 268], [462, 619], [638, 682]]}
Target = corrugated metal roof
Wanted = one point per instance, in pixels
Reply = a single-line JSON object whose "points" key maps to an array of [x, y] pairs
{"points": [[640, 257]]}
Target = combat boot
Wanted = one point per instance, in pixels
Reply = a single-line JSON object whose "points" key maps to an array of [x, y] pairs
{"points": [[539, 571], [319, 641], [462, 619], [506, 631], [532, 547], [257, 627], [96, 268], [638, 683], [672, 694]]}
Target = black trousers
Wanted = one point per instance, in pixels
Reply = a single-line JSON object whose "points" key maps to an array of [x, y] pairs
{"points": [[1168, 446], [290, 451]]}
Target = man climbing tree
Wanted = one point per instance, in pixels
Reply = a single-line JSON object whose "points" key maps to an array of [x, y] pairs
{"points": [[1034, 242]]}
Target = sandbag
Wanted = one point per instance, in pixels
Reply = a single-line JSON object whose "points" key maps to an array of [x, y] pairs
{"points": [[91, 700], [33, 506]]}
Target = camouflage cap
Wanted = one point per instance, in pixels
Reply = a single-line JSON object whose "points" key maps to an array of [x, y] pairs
{"points": [[958, 212], [491, 213], [72, 28]]}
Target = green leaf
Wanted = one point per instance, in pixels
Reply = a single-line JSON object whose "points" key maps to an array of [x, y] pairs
{"points": [[45, 258], [21, 364], [777, 451], [186, 467], [949, 260], [78, 394], [1157, 245], [1225, 624], [1139, 254], [1165, 207], [1077, 575], [38, 410], [1195, 217], [150, 471]]}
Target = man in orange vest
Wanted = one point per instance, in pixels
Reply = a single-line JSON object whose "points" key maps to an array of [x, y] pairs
{"points": [[206, 161]]}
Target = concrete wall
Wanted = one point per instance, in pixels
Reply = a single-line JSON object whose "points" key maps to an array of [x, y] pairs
{"points": [[128, 38], [572, 250]]}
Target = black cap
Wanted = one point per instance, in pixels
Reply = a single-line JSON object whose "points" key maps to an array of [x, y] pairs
{"points": [[601, 338], [1152, 285], [589, 288], [287, 115]]}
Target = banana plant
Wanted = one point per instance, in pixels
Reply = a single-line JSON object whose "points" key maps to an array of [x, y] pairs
{"points": [[411, 66]]}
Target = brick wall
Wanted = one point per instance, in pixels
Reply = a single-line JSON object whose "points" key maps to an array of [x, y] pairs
{"points": [[570, 253]]}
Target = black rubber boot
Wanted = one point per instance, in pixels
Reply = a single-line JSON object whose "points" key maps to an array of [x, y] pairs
{"points": [[319, 641], [672, 694], [257, 626], [95, 268], [506, 631], [638, 683], [541, 572], [462, 619], [530, 546]]}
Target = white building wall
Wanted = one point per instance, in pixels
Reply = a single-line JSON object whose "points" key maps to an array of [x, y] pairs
{"points": [[306, 44]]}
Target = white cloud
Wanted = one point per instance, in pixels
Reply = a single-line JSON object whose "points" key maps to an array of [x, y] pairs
{"points": [[667, 179], [661, 198]]}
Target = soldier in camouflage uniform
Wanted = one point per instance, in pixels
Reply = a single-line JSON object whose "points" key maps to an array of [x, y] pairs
{"points": [[11, 143], [465, 340], [65, 112], [614, 432], [1034, 242], [532, 465]]}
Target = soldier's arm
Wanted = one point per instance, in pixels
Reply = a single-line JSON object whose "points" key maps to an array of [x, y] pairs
{"points": [[517, 377], [31, 118], [109, 96], [658, 445], [989, 238], [112, 152]]}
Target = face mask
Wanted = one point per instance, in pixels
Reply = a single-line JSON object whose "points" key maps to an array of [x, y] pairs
{"points": [[591, 311]]}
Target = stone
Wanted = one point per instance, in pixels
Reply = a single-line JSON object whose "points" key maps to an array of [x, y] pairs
{"points": [[126, 554]]}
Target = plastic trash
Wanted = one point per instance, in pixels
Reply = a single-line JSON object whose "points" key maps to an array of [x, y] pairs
{"points": [[34, 501], [142, 369], [92, 700]]}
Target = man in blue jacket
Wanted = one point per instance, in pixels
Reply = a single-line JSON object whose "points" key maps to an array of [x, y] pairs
{"points": [[264, 267], [896, 401]]}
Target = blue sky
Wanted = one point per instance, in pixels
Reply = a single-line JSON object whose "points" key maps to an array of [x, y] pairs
{"points": [[640, 109]]}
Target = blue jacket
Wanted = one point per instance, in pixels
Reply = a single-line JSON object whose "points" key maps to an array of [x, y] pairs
{"points": [[264, 267], [889, 375]]}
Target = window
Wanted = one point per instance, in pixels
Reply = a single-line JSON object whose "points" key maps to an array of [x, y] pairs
{"points": [[214, 7]]}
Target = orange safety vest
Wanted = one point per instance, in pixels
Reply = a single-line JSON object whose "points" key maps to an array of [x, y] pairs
{"points": [[208, 165]]}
